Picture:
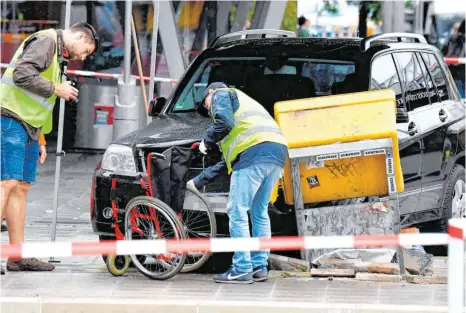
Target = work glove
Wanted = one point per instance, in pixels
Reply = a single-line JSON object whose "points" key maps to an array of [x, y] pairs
{"points": [[190, 186], [202, 148]]}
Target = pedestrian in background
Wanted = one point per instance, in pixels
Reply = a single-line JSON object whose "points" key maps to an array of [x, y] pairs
{"points": [[254, 153], [303, 27], [28, 92]]}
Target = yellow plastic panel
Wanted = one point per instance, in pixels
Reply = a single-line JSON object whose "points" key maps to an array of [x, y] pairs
{"points": [[340, 119], [274, 194]]}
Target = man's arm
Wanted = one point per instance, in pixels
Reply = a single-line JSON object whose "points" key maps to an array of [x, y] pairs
{"points": [[36, 58], [210, 174], [222, 112]]}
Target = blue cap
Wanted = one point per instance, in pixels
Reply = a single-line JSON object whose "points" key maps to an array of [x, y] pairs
{"points": [[201, 109], [212, 86]]}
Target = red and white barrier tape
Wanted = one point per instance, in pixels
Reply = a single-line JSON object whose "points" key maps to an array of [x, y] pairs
{"points": [[455, 239], [107, 75], [455, 60], [128, 247]]}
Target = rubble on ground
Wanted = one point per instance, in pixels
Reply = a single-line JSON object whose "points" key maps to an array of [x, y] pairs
{"points": [[418, 265]]}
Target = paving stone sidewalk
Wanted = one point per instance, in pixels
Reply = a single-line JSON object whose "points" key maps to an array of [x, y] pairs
{"points": [[87, 279]]}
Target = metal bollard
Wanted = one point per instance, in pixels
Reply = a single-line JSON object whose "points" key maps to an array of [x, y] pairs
{"points": [[127, 109]]}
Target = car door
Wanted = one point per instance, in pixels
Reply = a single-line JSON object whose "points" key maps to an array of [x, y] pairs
{"points": [[384, 75], [445, 109], [425, 109]]}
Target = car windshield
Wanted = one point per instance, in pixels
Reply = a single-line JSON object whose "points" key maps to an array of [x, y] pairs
{"points": [[269, 80]]}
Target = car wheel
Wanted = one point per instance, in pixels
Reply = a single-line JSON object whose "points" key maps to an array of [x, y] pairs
{"points": [[454, 198], [453, 206]]}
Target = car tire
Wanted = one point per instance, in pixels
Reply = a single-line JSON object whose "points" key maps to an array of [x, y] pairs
{"points": [[454, 197], [453, 201]]}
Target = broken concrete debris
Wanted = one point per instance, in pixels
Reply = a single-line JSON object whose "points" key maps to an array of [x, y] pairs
{"points": [[384, 268], [378, 277], [283, 263], [333, 272], [339, 263], [417, 262], [288, 274], [426, 279]]}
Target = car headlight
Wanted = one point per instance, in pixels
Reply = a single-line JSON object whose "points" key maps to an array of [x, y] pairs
{"points": [[119, 158]]}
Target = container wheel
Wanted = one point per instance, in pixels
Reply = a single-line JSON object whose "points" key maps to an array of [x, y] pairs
{"points": [[117, 265]]}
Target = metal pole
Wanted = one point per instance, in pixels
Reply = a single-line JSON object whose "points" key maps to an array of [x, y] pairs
{"points": [[59, 152], [153, 54], [126, 113], [13, 11], [127, 57]]}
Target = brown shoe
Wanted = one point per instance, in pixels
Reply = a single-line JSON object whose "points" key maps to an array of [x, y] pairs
{"points": [[32, 264]]}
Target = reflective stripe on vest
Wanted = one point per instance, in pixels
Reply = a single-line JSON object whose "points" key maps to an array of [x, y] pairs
{"points": [[252, 125], [32, 108], [251, 131], [247, 114], [41, 100]]}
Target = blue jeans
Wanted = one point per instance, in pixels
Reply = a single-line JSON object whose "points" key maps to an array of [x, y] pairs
{"points": [[19, 153], [250, 190]]}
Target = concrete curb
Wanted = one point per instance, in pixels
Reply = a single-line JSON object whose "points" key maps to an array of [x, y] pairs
{"points": [[89, 305]]}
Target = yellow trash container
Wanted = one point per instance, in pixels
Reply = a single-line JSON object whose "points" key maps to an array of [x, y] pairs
{"points": [[340, 119]]}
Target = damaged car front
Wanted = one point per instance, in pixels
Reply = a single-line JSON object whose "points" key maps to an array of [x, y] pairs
{"points": [[288, 72]]}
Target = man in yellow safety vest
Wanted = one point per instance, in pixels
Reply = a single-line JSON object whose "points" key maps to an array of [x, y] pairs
{"points": [[28, 91], [254, 153]]}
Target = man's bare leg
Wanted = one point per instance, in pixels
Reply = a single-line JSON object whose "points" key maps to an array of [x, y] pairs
{"points": [[16, 211], [7, 187], [15, 216]]}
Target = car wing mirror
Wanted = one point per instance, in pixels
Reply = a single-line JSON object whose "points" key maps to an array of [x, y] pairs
{"points": [[156, 106]]}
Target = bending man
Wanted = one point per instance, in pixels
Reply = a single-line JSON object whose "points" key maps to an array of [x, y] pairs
{"points": [[254, 153]]}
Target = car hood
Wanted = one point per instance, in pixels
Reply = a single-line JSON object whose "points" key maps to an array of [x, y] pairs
{"points": [[166, 129]]}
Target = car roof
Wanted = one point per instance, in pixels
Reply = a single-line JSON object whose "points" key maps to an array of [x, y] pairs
{"points": [[290, 46], [331, 48]]}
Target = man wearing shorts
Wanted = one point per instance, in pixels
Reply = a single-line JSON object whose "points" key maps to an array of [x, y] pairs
{"points": [[28, 91]]}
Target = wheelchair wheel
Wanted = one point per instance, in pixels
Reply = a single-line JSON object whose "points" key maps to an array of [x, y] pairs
{"points": [[151, 219], [117, 265], [199, 222], [141, 258]]}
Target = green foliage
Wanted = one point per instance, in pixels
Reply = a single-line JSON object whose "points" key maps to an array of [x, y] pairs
{"points": [[290, 16], [234, 9], [331, 7], [251, 13], [375, 11]]}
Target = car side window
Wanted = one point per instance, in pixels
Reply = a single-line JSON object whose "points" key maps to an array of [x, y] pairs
{"points": [[384, 75], [414, 83], [437, 74], [433, 95]]}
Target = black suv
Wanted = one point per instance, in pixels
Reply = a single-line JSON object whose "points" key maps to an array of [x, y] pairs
{"points": [[271, 66]]}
